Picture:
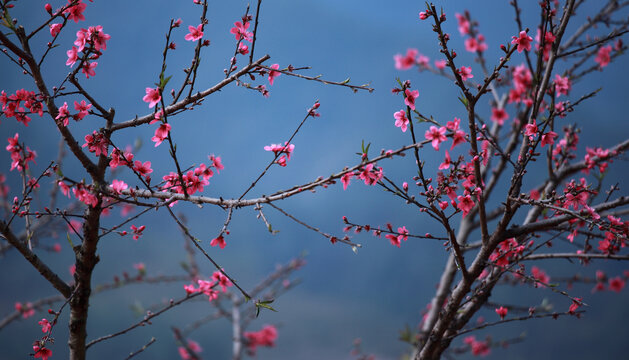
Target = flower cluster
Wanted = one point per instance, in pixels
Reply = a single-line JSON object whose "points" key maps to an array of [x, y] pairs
{"points": [[12, 105], [194, 180], [96, 143], [264, 337], [506, 252], [284, 151], [207, 287], [193, 346], [91, 42], [20, 156]]}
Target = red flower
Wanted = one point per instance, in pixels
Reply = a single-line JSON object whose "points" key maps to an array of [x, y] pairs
{"points": [[437, 135], [42, 352], [502, 312], [409, 100], [466, 72], [220, 241], [273, 74], [602, 57], [195, 33], [616, 284], [400, 120], [499, 115], [523, 41], [152, 96]]}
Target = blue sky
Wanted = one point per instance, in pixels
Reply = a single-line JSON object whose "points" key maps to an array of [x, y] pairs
{"points": [[343, 296]]}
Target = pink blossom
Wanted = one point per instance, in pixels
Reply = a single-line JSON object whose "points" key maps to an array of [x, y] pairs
{"points": [[549, 138], [88, 68], [502, 312], [403, 233], [72, 56], [440, 64], [137, 231], [152, 96], [222, 280], [410, 97], [240, 31], [75, 12], [118, 185], [81, 39], [463, 23], [243, 49], [616, 284], [423, 62], [465, 72], [45, 325], [531, 130], [603, 57], [142, 168], [523, 41], [55, 29], [193, 346], [83, 109], [534, 194], [265, 337], [26, 310], [371, 174], [395, 240], [42, 352], [278, 149], [437, 135], [562, 85], [195, 33], [446, 163], [96, 143], [405, 62], [161, 133], [474, 45], [220, 241], [576, 303], [96, 34], [140, 267], [345, 179], [477, 347], [465, 204], [540, 275], [273, 74], [458, 138], [400, 120], [499, 115], [63, 114]]}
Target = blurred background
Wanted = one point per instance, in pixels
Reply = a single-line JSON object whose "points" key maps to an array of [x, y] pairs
{"points": [[342, 296]]}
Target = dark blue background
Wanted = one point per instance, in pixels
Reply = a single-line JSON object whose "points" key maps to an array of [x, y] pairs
{"points": [[371, 295]]}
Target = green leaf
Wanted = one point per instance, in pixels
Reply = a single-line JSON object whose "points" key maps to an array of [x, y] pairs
{"points": [[70, 240], [345, 81], [463, 100], [163, 82], [264, 304]]}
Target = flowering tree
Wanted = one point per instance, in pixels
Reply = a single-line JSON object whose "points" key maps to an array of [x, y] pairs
{"points": [[490, 240]]}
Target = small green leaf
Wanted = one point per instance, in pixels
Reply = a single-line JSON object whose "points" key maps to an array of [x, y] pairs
{"points": [[70, 240], [345, 81], [165, 81], [355, 249], [463, 100]]}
